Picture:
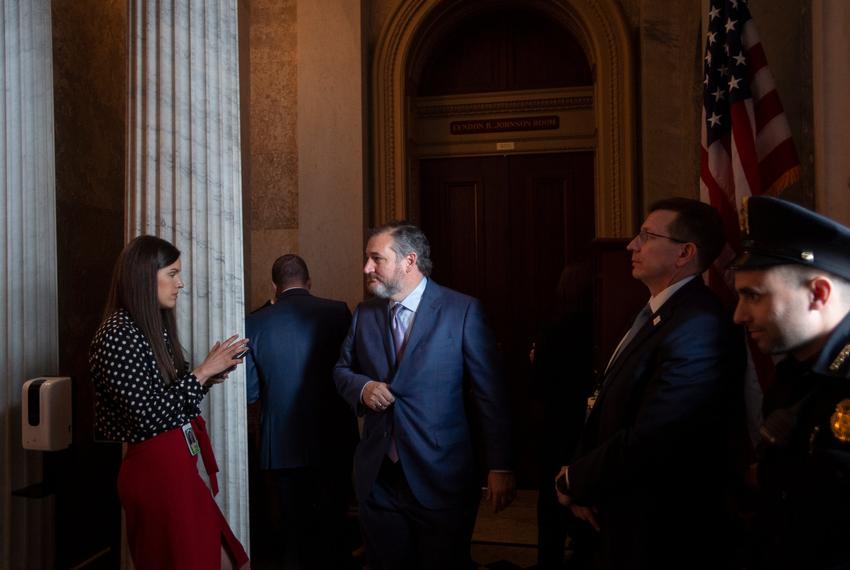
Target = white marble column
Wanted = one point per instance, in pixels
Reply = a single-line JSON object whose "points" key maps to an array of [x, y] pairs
{"points": [[28, 291], [184, 184]]}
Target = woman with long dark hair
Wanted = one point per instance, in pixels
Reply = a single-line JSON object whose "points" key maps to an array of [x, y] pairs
{"points": [[147, 396]]}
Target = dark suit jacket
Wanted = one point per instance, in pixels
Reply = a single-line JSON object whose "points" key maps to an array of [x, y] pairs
{"points": [[653, 454], [294, 345], [449, 353]]}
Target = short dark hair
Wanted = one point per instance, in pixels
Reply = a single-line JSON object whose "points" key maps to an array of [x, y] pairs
{"points": [[802, 274], [698, 223], [408, 238], [289, 270], [134, 289]]}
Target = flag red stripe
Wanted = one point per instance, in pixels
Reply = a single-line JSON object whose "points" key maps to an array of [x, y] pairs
{"points": [[744, 145], [756, 59], [780, 160], [721, 201], [766, 109]]}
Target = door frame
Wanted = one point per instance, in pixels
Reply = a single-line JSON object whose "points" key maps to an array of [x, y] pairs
{"points": [[600, 28]]}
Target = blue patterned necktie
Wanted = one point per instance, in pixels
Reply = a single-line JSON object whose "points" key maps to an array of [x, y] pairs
{"points": [[640, 320], [398, 325]]}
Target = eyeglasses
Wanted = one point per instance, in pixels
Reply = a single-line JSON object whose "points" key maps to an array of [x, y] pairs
{"points": [[645, 235]]}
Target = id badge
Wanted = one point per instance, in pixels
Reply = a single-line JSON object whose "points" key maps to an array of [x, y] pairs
{"points": [[191, 440]]}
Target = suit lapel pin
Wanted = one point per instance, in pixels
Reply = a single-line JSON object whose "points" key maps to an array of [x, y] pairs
{"points": [[656, 320]]}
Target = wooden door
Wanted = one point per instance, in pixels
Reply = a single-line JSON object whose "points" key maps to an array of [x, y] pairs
{"points": [[501, 229]]}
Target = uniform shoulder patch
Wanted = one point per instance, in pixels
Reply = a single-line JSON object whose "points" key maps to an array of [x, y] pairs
{"points": [[838, 362]]}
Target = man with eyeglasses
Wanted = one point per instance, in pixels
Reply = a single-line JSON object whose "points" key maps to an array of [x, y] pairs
{"points": [[650, 469]]}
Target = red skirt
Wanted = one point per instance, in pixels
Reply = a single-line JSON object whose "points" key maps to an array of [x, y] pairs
{"points": [[171, 516]]}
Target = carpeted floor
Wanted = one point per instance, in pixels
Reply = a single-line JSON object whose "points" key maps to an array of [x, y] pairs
{"points": [[507, 540], [503, 541]]}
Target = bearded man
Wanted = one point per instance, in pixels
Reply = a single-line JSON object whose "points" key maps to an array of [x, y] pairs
{"points": [[415, 355]]}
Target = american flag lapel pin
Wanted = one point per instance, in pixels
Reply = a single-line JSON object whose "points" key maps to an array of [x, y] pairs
{"points": [[656, 320]]}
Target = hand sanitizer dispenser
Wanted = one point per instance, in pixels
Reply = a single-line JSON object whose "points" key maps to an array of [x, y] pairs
{"points": [[46, 413]]}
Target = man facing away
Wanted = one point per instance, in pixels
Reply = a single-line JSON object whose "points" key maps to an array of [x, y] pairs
{"points": [[650, 467], [414, 356], [793, 282], [308, 434]]}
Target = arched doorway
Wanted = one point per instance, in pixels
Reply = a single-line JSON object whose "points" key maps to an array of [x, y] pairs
{"points": [[600, 28]]}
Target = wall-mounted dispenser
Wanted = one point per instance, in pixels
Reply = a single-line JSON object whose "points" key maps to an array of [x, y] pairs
{"points": [[46, 413]]}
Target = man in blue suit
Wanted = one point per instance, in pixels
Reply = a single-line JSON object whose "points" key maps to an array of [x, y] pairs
{"points": [[653, 460], [415, 356], [307, 432]]}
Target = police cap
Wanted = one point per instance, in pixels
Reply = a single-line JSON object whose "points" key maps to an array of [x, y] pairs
{"points": [[778, 232]]}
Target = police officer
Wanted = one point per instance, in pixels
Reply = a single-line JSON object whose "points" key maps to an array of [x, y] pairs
{"points": [[793, 281]]}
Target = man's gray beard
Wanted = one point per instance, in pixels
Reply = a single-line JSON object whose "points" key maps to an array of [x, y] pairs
{"points": [[384, 290]]}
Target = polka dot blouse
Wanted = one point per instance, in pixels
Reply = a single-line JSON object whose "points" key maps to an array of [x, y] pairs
{"points": [[132, 403]]}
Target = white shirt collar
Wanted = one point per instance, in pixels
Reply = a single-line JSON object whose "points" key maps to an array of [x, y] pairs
{"points": [[411, 302], [656, 301]]}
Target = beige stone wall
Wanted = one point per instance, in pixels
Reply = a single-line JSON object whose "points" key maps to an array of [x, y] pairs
{"points": [[272, 140], [831, 87], [305, 141], [670, 98], [331, 146]]}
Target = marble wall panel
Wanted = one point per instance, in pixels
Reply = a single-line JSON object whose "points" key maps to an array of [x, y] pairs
{"points": [[671, 99], [90, 91], [273, 114], [331, 146]]}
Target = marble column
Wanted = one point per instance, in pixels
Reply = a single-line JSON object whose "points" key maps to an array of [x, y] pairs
{"points": [[184, 185], [28, 290]]}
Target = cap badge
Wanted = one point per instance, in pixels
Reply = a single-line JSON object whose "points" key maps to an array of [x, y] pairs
{"points": [[840, 358], [744, 216], [840, 421], [807, 256]]}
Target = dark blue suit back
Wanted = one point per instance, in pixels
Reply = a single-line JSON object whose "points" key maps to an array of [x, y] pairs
{"points": [[294, 344]]}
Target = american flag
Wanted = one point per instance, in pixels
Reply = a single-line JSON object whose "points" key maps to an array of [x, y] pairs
{"points": [[746, 148], [746, 142]]}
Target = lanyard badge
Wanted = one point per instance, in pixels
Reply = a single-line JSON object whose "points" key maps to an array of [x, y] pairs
{"points": [[191, 440]]}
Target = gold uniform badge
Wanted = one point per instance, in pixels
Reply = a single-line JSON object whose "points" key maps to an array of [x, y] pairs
{"points": [[840, 421]]}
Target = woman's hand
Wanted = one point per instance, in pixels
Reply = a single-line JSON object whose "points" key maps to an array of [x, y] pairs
{"points": [[220, 360]]}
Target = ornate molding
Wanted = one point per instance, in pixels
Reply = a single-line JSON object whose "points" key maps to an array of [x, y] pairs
{"points": [[429, 109]]}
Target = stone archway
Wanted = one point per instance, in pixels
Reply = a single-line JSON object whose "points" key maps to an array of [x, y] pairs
{"points": [[599, 26]]}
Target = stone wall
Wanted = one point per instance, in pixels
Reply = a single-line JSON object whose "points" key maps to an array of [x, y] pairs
{"points": [[306, 143], [272, 113], [90, 92]]}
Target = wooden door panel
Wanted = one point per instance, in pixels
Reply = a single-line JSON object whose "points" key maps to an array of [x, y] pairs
{"points": [[501, 229]]}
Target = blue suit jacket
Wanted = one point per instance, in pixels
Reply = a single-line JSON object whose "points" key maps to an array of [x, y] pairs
{"points": [[654, 455], [294, 345], [449, 358]]}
